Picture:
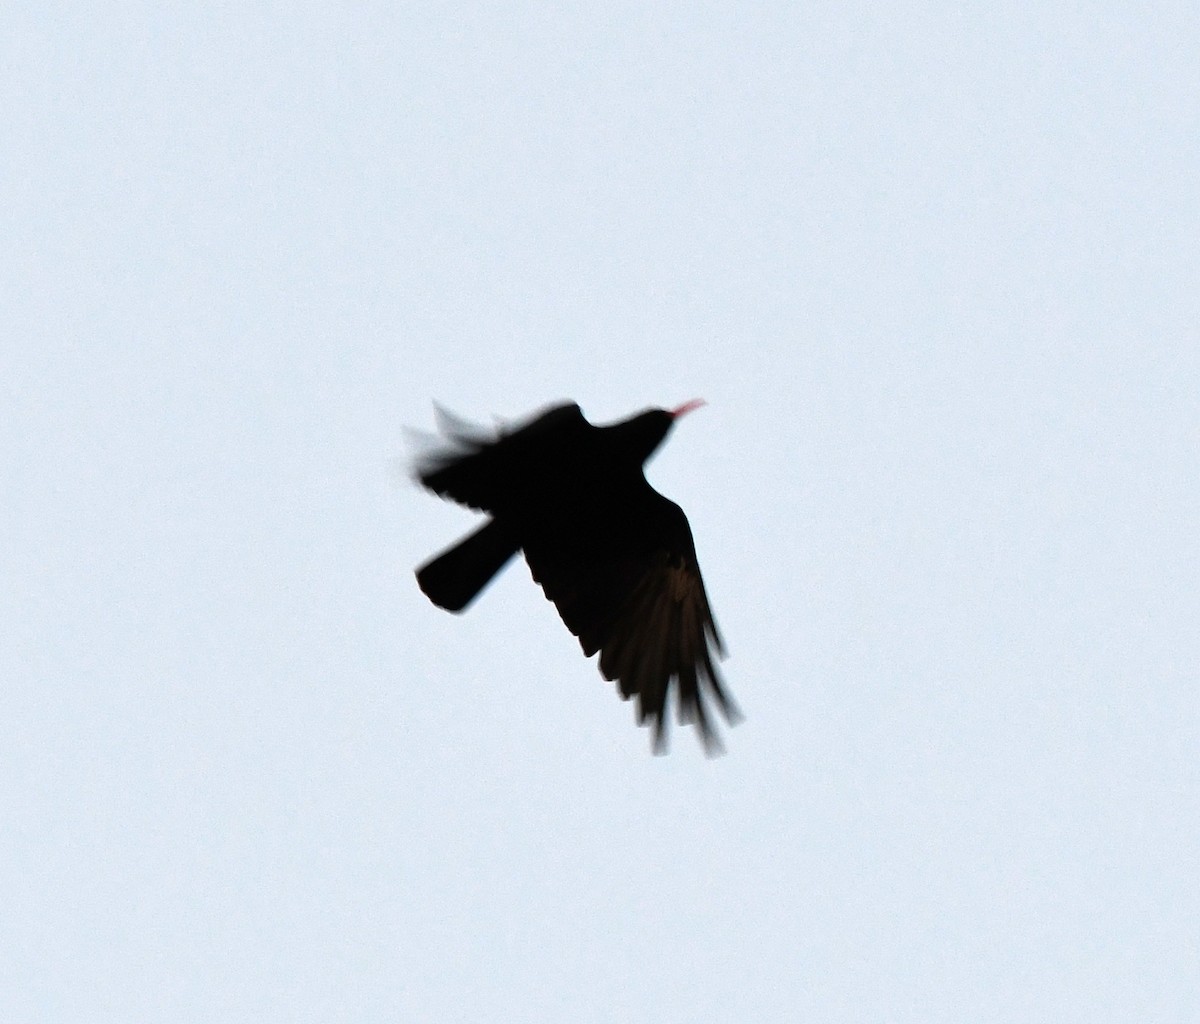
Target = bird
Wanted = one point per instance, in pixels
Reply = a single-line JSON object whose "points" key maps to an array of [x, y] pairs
{"points": [[616, 557]]}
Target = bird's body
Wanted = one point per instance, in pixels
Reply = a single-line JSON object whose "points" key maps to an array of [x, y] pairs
{"points": [[615, 556]]}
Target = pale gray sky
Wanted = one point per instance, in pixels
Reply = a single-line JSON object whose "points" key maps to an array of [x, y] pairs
{"points": [[935, 269]]}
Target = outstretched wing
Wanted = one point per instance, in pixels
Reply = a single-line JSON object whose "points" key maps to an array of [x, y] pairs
{"points": [[634, 593]]}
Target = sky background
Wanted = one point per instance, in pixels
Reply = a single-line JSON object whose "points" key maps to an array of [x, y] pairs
{"points": [[935, 268]]}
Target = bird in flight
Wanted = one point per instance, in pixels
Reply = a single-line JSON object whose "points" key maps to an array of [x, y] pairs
{"points": [[615, 556]]}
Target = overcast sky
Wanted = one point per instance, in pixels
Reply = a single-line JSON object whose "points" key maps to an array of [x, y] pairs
{"points": [[934, 267]]}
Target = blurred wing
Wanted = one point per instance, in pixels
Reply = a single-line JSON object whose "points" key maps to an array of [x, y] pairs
{"points": [[477, 467], [643, 606]]}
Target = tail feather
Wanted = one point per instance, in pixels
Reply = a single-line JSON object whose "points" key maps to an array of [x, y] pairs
{"points": [[453, 579]]}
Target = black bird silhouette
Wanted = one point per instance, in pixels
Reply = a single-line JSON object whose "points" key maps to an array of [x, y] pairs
{"points": [[615, 556]]}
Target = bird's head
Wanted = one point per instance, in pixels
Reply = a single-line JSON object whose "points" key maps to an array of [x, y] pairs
{"points": [[642, 434]]}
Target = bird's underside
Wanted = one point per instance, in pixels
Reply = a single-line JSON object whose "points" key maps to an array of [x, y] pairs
{"points": [[614, 556]]}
